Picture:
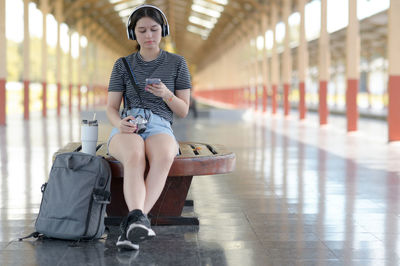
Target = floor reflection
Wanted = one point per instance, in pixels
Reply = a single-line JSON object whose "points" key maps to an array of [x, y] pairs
{"points": [[300, 195]]}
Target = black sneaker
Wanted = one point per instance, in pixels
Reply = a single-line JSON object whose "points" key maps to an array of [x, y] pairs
{"points": [[122, 241], [138, 228]]}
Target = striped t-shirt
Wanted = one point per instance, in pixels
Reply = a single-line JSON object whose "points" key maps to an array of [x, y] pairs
{"points": [[170, 68]]}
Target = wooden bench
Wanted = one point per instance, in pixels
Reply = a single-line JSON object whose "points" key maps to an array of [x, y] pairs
{"points": [[195, 159]]}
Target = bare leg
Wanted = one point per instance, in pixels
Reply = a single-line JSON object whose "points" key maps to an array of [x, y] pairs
{"points": [[130, 151], [161, 150]]}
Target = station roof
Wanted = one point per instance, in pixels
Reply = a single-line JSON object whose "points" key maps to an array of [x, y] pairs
{"points": [[104, 21]]}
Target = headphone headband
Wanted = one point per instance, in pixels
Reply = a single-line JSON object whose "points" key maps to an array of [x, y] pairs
{"points": [[164, 27]]}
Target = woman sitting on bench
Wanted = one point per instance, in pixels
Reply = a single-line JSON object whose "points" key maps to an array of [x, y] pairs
{"points": [[155, 85]]}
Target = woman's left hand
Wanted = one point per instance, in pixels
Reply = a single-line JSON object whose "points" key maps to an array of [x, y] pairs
{"points": [[159, 90]]}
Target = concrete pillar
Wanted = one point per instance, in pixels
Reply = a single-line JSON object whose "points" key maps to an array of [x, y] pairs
{"points": [[274, 63], [26, 54], [88, 75], [324, 58], [394, 71], [256, 66], [264, 27], [3, 62], [96, 81], [44, 6], [248, 65], [59, 18], [70, 75], [287, 58], [352, 66], [79, 64], [302, 56]]}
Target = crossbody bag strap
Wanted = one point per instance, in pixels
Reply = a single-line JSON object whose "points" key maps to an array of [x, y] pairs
{"points": [[132, 81]]}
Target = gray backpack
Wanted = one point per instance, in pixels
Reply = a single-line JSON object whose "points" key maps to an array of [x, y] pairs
{"points": [[74, 198]]}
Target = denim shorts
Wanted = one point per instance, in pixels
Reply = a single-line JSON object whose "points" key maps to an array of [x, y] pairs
{"points": [[155, 125]]}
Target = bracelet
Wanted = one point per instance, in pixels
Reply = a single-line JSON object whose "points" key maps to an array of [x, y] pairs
{"points": [[169, 99]]}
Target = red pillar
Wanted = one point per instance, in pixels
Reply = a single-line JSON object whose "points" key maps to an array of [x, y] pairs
{"points": [[302, 57], [323, 104], [26, 99], [394, 108], [256, 98], [249, 97], [286, 103], [2, 102], [351, 104], [324, 62], [265, 98], [394, 71], [274, 93], [352, 66], [302, 103], [286, 57]]}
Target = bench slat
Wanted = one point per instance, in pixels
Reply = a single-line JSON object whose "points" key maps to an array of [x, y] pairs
{"points": [[220, 149], [202, 149], [102, 151], [186, 150]]}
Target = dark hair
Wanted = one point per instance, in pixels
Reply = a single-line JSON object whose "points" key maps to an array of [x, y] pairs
{"points": [[145, 12]]}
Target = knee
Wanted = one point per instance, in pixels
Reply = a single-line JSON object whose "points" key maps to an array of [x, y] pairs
{"points": [[134, 158], [165, 159]]}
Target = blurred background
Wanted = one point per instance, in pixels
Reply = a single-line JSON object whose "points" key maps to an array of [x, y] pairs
{"points": [[64, 51]]}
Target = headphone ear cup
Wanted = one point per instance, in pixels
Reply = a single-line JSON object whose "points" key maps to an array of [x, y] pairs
{"points": [[164, 30]]}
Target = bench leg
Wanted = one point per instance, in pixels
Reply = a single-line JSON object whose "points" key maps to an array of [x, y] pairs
{"points": [[166, 211]]}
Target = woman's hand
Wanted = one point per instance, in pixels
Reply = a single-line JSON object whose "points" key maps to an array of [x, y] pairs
{"points": [[159, 90], [127, 127]]}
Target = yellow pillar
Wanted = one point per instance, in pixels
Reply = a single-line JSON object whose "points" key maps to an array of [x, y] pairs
{"points": [[3, 62], [264, 28], [324, 58], [274, 60], [88, 73], [45, 9], [256, 66], [79, 64], [302, 61], [70, 75], [59, 18], [394, 71], [287, 59], [26, 54]]}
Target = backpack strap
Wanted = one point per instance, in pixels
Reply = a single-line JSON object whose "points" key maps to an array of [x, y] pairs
{"points": [[102, 196], [34, 234]]}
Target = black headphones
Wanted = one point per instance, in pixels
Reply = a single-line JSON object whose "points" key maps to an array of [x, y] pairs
{"points": [[164, 26]]}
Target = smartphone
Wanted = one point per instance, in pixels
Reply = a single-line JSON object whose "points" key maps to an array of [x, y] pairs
{"points": [[152, 81]]}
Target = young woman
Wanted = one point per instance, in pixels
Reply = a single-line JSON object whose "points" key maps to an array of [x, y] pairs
{"points": [[154, 102]]}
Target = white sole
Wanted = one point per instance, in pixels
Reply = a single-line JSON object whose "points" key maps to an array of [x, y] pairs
{"points": [[137, 233], [126, 244]]}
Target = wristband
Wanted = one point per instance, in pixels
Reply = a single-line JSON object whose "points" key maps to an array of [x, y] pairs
{"points": [[169, 99]]}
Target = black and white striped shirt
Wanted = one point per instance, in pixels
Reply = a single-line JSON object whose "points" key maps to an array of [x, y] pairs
{"points": [[170, 68]]}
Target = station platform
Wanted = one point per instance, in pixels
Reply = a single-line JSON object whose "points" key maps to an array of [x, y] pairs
{"points": [[301, 194]]}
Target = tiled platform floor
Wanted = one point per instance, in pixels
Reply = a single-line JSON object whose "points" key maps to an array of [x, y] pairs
{"points": [[300, 195]]}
